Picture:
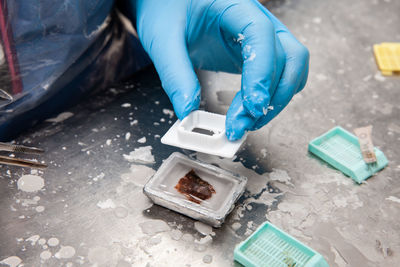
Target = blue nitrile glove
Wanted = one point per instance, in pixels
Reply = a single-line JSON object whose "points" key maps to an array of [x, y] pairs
{"points": [[223, 35]]}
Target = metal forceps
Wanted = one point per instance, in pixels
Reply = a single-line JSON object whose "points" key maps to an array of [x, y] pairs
{"points": [[20, 162]]}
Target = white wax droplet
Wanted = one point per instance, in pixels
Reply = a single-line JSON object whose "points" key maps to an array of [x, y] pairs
{"points": [[65, 252], [53, 242], [45, 255], [39, 208], [42, 241], [30, 183], [12, 261]]}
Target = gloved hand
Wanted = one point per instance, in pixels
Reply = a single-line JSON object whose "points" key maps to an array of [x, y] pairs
{"points": [[223, 35]]}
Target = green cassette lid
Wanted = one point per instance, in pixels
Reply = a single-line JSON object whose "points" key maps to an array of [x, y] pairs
{"points": [[341, 149], [269, 246]]}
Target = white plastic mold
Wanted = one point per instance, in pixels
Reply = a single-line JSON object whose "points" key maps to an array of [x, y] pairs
{"points": [[202, 131], [228, 188]]}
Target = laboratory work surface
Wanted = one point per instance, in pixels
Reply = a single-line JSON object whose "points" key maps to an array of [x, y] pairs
{"points": [[88, 208]]}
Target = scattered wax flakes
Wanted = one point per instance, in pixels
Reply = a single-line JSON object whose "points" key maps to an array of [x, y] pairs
{"points": [[321, 77], [140, 155], [61, 117], [207, 259], [42, 241], [394, 199], [133, 122], [127, 136], [126, 105], [240, 38], [138, 175], [40, 209], [106, 204], [176, 234], [138, 200], [28, 202], [142, 140], [204, 241], [187, 238], [203, 228], [153, 227], [99, 256], [154, 241], [99, 177], [108, 142], [168, 112], [280, 176], [367, 78], [317, 20], [263, 152], [30, 183], [65, 252], [379, 77], [12, 261], [251, 57], [45, 255], [52, 242], [33, 239], [236, 225]]}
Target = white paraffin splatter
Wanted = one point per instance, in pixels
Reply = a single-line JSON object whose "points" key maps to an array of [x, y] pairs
{"points": [[207, 259], [280, 176], [202, 228], [30, 183], [127, 136], [168, 112], [99, 256], [138, 175], [153, 227], [12, 261], [52, 242], [394, 199], [126, 105], [263, 152], [33, 239], [39, 209], [138, 200], [45, 255], [65, 252], [142, 140], [107, 204], [236, 225], [240, 38], [176, 234], [61, 117], [204, 240], [140, 155]]}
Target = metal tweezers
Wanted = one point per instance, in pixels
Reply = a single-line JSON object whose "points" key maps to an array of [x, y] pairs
{"points": [[20, 162]]}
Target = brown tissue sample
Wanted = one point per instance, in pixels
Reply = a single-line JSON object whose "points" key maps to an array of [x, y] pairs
{"points": [[194, 188]]}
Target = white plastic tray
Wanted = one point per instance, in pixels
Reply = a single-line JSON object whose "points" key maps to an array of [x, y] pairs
{"points": [[204, 132]]}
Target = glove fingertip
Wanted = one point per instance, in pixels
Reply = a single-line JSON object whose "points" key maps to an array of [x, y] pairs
{"points": [[237, 127]]}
